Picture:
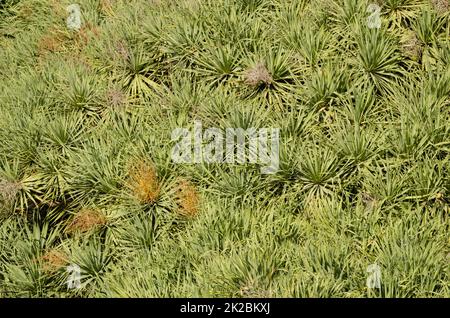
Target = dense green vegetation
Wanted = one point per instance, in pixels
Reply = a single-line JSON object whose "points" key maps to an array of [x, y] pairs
{"points": [[86, 175]]}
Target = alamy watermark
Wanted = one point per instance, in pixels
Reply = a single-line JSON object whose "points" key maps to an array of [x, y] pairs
{"points": [[74, 279], [374, 19], [232, 145], [374, 278], [74, 19]]}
